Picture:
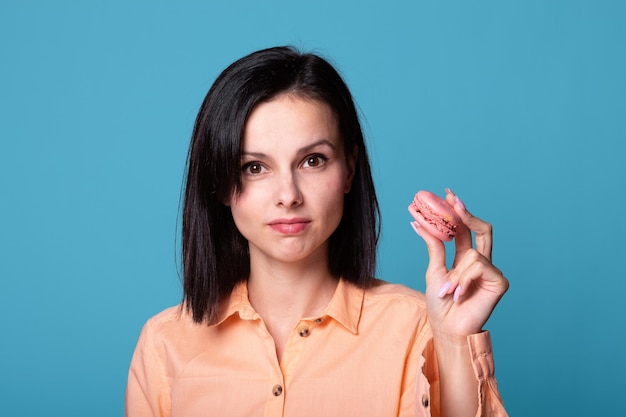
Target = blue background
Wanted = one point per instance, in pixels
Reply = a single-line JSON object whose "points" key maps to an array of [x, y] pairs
{"points": [[519, 106]]}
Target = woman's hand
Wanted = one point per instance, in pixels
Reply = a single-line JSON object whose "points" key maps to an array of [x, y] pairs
{"points": [[460, 300]]}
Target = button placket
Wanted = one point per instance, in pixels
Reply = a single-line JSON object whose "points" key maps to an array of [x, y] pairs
{"points": [[305, 329]]}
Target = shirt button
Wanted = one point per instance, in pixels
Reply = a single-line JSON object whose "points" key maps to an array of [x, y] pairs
{"points": [[277, 390], [425, 401], [304, 332]]}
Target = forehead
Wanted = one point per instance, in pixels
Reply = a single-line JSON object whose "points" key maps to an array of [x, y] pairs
{"points": [[290, 119]]}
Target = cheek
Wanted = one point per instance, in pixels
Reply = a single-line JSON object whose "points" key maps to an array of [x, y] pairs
{"points": [[337, 180], [242, 209], [339, 185], [332, 193]]}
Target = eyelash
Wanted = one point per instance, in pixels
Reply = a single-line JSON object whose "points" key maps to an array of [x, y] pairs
{"points": [[246, 167], [319, 158]]}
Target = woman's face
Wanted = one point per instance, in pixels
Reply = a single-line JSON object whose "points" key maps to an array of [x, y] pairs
{"points": [[294, 177]]}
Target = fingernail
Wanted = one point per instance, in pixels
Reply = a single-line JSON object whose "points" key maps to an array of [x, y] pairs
{"points": [[415, 226], [460, 203], [449, 191], [457, 293], [444, 289]]}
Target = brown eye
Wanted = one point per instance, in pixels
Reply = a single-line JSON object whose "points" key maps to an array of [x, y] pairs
{"points": [[314, 161], [252, 168]]}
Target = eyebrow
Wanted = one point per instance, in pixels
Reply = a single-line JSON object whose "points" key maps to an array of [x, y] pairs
{"points": [[321, 142]]}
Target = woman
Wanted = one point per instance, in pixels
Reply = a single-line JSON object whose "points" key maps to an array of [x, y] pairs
{"points": [[281, 314]]}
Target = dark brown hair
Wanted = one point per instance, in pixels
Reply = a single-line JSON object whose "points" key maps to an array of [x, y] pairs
{"points": [[215, 255]]}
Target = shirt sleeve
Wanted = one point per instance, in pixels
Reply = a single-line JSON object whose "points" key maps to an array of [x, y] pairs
{"points": [[428, 390], [490, 402], [147, 391]]}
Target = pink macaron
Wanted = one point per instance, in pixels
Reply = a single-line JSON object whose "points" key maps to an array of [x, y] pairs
{"points": [[435, 215]]}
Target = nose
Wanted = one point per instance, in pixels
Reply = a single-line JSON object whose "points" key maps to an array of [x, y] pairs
{"points": [[287, 192]]}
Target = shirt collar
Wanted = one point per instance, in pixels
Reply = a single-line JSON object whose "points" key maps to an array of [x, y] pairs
{"points": [[237, 303], [346, 304], [344, 307]]}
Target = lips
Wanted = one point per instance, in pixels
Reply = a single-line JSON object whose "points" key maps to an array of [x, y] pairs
{"points": [[289, 226]]}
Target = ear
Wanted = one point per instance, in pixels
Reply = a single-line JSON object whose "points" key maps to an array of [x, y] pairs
{"points": [[351, 159]]}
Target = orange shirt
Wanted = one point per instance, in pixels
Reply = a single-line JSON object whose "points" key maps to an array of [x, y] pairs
{"points": [[369, 354]]}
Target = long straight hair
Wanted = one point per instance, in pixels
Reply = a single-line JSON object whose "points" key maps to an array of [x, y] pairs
{"points": [[215, 255]]}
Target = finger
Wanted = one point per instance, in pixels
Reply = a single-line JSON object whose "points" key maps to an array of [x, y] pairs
{"points": [[482, 230], [475, 269], [463, 237], [450, 197], [436, 250], [483, 276], [470, 260], [462, 242]]}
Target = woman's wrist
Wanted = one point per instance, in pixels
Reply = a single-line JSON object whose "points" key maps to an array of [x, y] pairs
{"points": [[452, 341]]}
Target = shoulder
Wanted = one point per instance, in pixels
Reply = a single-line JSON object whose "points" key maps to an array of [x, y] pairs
{"points": [[394, 311], [167, 323], [382, 291], [395, 302], [170, 314]]}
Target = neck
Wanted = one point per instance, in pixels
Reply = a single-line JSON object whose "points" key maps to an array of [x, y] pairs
{"points": [[290, 292], [283, 293]]}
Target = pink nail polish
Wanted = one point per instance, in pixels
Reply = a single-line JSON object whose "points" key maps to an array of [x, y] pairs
{"points": [[457, 293], [444, 289], [414, 226], [460, 203]]}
